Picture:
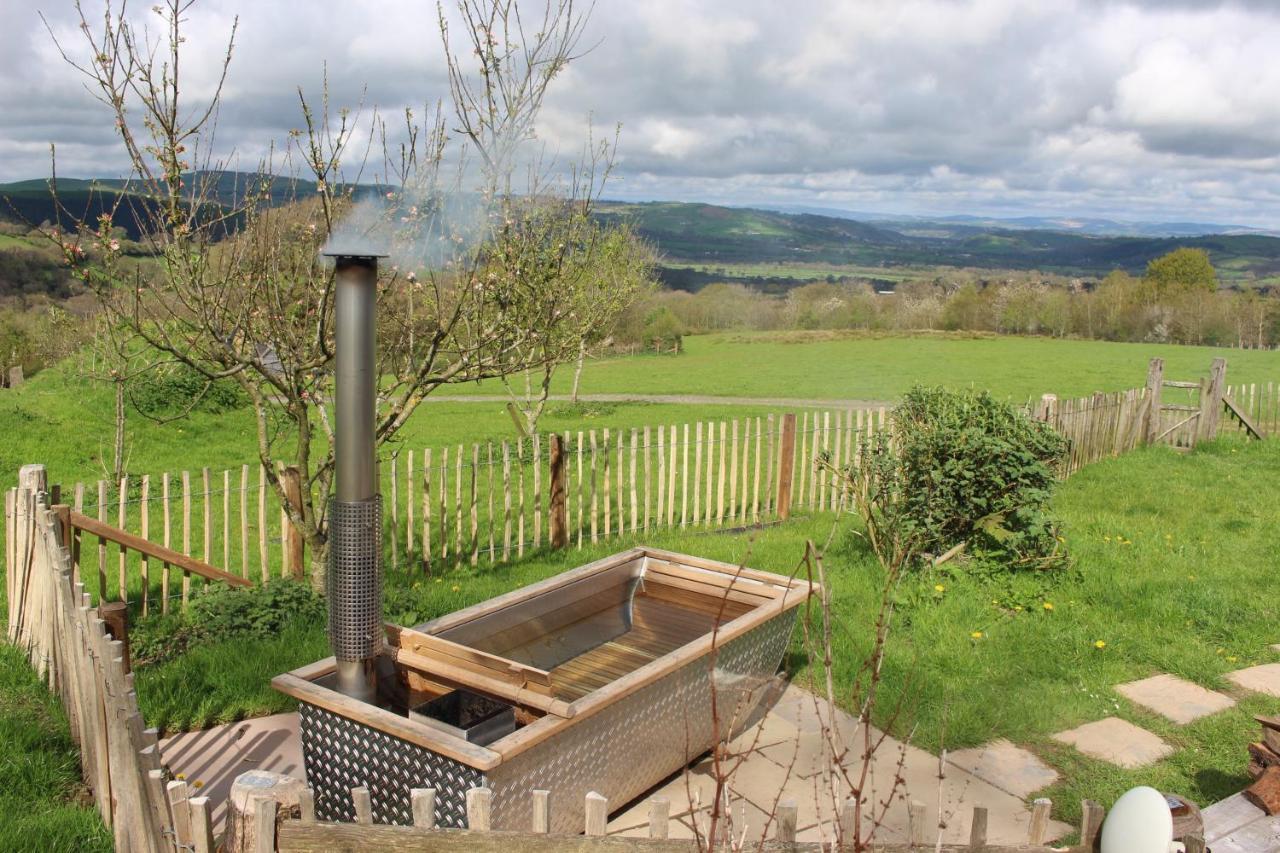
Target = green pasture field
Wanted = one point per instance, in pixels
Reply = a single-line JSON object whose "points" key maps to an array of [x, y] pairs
{"points": [[810, 271]]}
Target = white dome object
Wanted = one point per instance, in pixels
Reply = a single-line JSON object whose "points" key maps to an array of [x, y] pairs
{"points": [[1139, 822]]}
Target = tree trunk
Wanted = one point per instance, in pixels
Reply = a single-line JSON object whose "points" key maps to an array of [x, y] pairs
{"points": [[577, 371], [117, 462], [319, 547]]}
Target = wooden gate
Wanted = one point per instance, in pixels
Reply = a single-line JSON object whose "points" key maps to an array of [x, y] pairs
{"points": [[1182, 413]]}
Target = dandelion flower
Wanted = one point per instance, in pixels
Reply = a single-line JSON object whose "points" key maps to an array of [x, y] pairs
{"points": [[455, 588], [937, 587], [1231, 658], [1106, 538], [977, 635], [1099, 644], [1048, 606], [180, 776], [197, 784]]}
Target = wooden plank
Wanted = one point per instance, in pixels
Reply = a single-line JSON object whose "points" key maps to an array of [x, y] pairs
{"points": [[159, 552], [492, 524], [541, 818], [457, 506], [608, 484], [422, 801], [262, 528], [102, 544], [475, 506], [786, 465], [244, 520], [684, 487], [493, 666], [635, 509], [659, 817], [721, 474], [144, 562], [978, 829], [647, 475], [1039, 826], [426, 509], [362, 801], [122, 501], [479, 809], [444, 505], [226, 519], [535, 457], [1247, 422], [408, 501], [396, 725], [786, 816], [596, 814]]}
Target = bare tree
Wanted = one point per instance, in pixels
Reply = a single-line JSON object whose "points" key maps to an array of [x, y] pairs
{"points": [[238, 292]]}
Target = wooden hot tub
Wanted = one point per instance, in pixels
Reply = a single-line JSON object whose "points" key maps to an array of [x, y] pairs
{"points": [[598, 679]]}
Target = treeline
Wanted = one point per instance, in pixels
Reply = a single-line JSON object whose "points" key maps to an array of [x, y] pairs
{"points": [[1177, 307]]}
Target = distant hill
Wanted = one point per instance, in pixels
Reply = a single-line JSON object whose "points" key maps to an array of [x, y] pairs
{"points": [[708, 235]]}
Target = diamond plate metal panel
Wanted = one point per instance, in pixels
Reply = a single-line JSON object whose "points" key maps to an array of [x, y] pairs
{"points": [[341, 754], [354, 580], [627, 748]]}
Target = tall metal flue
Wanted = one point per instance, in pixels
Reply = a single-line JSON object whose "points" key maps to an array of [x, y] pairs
{"points": [[354, 582]]}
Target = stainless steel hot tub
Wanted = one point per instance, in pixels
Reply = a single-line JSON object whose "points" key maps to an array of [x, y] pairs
{"points": [[609, 670]]}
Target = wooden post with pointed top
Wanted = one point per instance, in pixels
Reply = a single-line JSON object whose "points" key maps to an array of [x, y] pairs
{"points": [[1155, 382], [559, 523], [786, 465]]}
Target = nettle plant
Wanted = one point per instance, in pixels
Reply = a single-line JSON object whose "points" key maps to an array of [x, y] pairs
{"points": [[959, 472]]}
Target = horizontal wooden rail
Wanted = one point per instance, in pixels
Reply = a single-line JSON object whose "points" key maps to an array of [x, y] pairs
{"points": [[143, 546]]}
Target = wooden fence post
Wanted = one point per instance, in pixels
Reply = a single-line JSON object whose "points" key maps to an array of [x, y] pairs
{"points": [[1155, 382], [559, 522], [1211, 399], [294, 543], [116, 615], [786, 466]]}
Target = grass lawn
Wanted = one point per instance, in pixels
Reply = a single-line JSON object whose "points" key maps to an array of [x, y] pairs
{"points": [[1174, 568], [43, 805]]}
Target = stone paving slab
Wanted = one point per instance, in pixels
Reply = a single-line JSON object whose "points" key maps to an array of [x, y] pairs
{"points": [[215, 757], [1010, 768], [1259, 679], [1116, 741], [1174, 698], [804, 737]]}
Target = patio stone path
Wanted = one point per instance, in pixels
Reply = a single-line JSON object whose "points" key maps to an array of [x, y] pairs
{"points": [[1264, 678], [1116, 741], [1175, 698], [789, 759], [1010, 768]]}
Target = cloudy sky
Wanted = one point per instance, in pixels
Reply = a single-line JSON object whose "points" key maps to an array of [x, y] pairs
{"points": [[1157, 110]]}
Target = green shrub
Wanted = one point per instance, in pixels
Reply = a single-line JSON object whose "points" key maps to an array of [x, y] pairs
{"points": [[962, 469], [219, 612], [175, 388]]}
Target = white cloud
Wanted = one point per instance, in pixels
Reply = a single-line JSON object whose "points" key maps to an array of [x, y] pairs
{"points": [[1164, 108]]}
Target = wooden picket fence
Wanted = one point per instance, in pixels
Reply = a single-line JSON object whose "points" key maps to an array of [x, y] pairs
{"points": [[470, 504]]}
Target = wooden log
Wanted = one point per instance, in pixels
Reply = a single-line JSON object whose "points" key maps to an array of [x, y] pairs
{"points": [[244, 520], [596, 814], [697, 473], [264, 824], [581, 454], [307, 805], [541, 803], [408, 500], [917, 828], [595, 499], [444, 505], [1211, 400], [1265, 791], [457, 506], [684, 485], [178, 794], [131, 541], [426, 509], [647, 478], [662, 476], [617, 481], [226, 519], [771, 462], [395, 509], [755, 479], [721, 475], [475, 505], [711, 440], [1270, 732], [207, 507]]}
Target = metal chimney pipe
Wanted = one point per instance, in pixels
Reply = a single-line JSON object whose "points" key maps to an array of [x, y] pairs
{"points": [[355, 514]]}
